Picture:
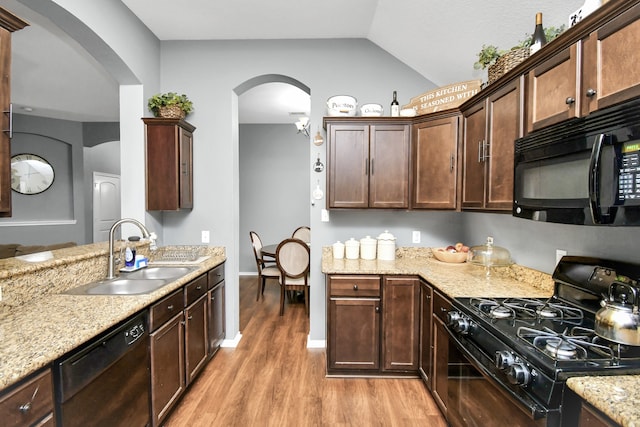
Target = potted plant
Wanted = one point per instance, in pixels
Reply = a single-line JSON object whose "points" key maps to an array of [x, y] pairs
{"points": [[170, 105], [487, 56], [500, 62]]}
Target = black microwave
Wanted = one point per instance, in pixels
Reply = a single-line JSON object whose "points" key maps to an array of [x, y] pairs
{"points": [[585, 171]]}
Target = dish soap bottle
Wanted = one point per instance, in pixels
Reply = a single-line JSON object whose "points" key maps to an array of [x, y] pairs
{"points": [[129, 255]]}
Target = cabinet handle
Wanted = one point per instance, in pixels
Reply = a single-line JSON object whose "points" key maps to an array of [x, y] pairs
{"points": [[591, 93], [366, 166], [377, 309], [189, 317], [26, 407], [451, 163], [198, 288], [170, 307], [355, 287], [442, 309], [213, 298], [570, 100], [372, 166], [480, 143], [485, 151]]}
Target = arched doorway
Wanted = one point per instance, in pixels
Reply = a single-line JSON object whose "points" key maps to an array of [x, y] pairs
{"points": [[273, 162]]}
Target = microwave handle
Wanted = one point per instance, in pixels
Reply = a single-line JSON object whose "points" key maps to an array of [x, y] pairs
{"points": [[594, 179]]}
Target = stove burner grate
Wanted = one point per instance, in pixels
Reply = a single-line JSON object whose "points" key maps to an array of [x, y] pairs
{"points": [[525, 309], [577, 344]]}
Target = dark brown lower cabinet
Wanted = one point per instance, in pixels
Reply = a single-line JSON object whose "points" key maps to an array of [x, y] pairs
{"points": [[216, 308], [576, 412], [167, 367], [400, 324], [30, 402], [196, 338], [426, 325], [372, 325], [180, 340], [440, 373]]}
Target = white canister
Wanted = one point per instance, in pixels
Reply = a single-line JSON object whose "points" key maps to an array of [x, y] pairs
{"points": [[368, 248], [352, 248], [386, 246], [338, 250]]}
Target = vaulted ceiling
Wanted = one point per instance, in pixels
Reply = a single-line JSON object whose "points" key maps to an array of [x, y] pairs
{"points": [[438, 39]]}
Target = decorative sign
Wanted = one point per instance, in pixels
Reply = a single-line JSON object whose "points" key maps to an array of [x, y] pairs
{"points": [[444, 98]]}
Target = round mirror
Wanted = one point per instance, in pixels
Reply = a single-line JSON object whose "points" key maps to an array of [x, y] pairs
{"points": [[30, 174]]}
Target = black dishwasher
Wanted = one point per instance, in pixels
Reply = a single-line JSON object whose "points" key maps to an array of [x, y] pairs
{"points": [[106, 382]]}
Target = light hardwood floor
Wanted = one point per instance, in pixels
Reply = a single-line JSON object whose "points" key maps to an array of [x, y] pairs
{"points": [[272, 379]]}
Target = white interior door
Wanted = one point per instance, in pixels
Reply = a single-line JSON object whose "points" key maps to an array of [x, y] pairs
{"points": [[106, 204]]}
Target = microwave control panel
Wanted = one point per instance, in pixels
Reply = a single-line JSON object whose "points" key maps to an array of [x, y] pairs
{"points": [[629, 172]]}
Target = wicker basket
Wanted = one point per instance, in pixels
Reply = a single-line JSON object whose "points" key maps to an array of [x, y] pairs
{"points": [[171, 112], [506, 62]]}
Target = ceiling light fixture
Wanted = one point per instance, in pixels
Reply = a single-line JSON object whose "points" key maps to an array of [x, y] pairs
{"points": [[303, 126]]}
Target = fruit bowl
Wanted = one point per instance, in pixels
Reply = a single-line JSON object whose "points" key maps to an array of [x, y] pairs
{"points": [[441, 254]]}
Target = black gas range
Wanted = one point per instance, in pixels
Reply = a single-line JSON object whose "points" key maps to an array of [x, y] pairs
{"points": [[523, 350]]}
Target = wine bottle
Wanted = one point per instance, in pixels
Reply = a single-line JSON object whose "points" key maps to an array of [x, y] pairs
{"points": [[395, 107], [539, 39]]}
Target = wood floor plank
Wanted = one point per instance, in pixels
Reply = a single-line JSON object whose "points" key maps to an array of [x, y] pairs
{"points": [[272, 379]]}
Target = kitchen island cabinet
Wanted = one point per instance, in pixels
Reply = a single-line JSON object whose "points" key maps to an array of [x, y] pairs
{"points": [[434, 155], [8, 23], [169, 164], [368, 163], [29, 403]]}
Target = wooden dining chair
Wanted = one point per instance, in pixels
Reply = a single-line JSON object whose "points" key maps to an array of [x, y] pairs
{"points": [[292, 259], [267, 268], [303, 233]]}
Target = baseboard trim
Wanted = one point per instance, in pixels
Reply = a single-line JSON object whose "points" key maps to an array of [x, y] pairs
{"points": [[232, 343], [316, 343]]}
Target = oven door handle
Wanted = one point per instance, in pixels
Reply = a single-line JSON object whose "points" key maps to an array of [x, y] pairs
{"points": [[535, 410], [594, 179]]}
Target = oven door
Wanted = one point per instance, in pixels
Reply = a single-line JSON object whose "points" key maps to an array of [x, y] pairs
{"points": [[476, 398]]}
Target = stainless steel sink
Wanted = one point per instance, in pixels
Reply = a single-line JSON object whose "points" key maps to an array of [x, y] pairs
{"points": [[158, 273], [136, 283]]}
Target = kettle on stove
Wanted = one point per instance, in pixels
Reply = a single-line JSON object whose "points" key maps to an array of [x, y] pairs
{"points": [[618, 319]]}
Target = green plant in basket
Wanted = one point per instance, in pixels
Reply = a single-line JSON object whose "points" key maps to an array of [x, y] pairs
{"points": [[487, 56], [169, 99]]}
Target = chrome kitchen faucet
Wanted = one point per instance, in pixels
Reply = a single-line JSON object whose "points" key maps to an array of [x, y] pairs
{"points": [[143, 229]]}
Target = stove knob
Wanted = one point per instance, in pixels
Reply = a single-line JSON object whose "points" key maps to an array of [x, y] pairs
{"points": [[519, 374], [462, 326], [452, 317], [504, 359]]}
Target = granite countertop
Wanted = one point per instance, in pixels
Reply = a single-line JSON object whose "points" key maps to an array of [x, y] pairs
{"points": [[616, 396], [40, 331], [454, 280]]}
